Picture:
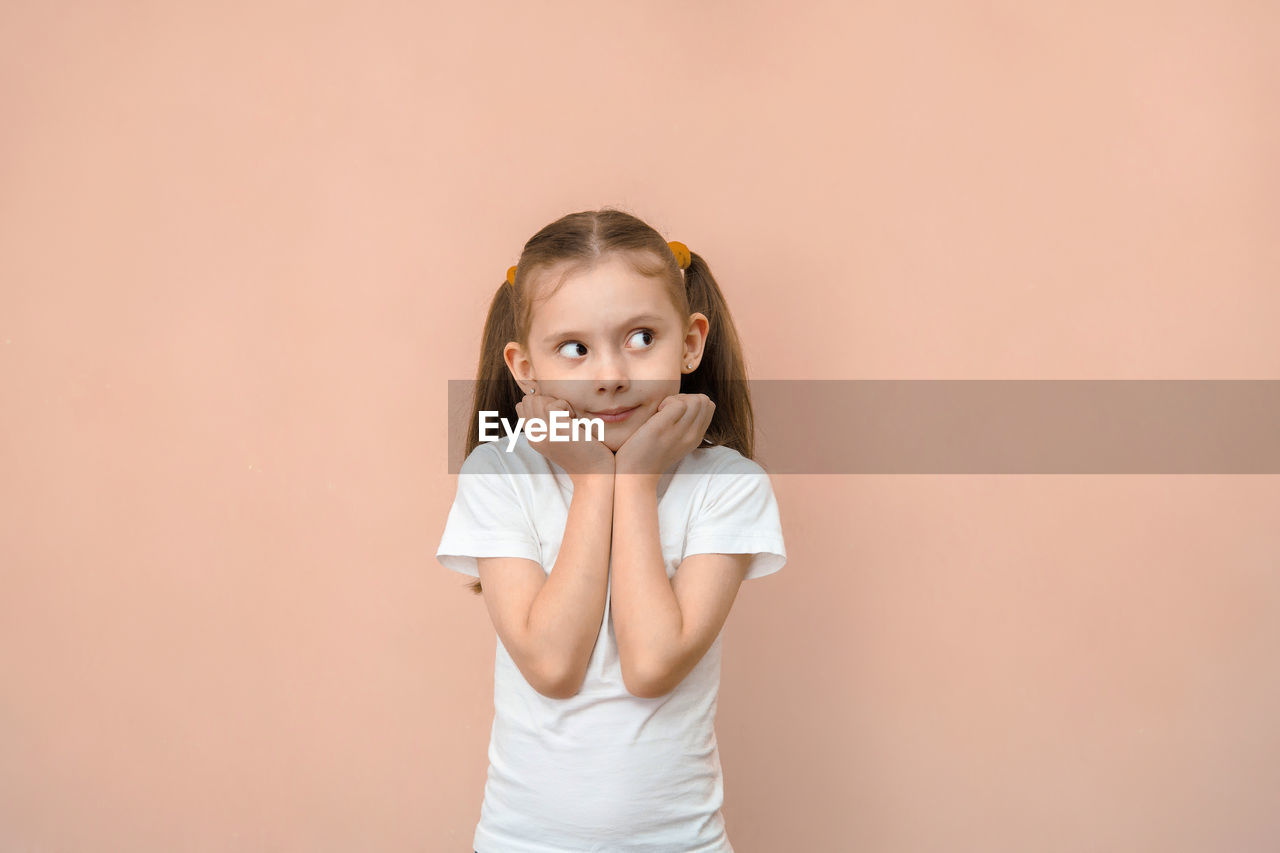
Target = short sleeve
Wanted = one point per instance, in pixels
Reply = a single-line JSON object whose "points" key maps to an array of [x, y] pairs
{"points": [[740, 516], [487, 518]]}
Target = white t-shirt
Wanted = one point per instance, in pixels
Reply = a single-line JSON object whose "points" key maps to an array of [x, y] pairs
{"points": [[605, 771]]}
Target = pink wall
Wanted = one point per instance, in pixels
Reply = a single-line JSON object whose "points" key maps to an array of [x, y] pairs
{"points": [[243, 247]]}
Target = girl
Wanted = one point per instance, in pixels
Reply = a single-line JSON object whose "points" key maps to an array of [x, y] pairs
{"points": [[603, 733]]}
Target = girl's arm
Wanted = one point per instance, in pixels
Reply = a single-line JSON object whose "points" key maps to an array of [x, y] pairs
{"points": [[555, 622], [565, 616], [663, 627]]}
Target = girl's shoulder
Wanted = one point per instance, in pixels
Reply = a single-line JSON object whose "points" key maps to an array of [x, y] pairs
{"points": [[482, 460], [720, 459], [503, 457]]}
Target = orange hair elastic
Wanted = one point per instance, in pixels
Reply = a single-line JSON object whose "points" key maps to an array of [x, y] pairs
{"points": [[683, 256]]}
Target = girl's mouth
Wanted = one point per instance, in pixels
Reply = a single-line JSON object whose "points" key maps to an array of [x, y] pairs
{"points": [[613, 418]]}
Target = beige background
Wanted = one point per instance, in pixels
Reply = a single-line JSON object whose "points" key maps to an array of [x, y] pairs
{"points": [[244, 245]]}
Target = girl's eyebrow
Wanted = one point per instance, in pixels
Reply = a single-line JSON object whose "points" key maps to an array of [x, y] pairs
{"points": [[639, 318]]}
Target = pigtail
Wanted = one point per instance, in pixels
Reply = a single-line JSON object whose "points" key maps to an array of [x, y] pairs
{"points": [[495, 388], [721, 373]]}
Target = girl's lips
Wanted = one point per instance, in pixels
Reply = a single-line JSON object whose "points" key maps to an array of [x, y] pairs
{"points": [[621, 416]]}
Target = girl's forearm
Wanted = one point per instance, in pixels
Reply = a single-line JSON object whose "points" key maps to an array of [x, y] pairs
{"points": [[646, 614], [567, 612]]}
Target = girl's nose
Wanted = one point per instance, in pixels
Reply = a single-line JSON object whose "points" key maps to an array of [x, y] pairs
{"points": [[611, 373], [615, 386]]}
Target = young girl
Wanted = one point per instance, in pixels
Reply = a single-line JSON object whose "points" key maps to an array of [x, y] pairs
{"points": [[609, 567]]}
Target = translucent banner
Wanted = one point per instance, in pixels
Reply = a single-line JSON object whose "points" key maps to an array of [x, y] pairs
{"points": [[970, 426]]}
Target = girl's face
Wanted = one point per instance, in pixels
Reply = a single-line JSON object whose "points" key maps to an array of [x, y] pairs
{"points": [[608, 339]]}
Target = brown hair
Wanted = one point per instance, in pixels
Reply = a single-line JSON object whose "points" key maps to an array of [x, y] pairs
{"points": [[577, 242]]}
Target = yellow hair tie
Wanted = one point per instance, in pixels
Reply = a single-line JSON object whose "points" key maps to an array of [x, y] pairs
{"points": [[681, 251], [511, 276]]}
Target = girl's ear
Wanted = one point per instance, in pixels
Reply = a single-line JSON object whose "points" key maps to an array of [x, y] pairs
{"points": [[518, 363], [695, 338]]}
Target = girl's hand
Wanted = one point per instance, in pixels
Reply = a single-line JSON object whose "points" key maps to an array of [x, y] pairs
{"points": [[668, 436], [577, 458]]}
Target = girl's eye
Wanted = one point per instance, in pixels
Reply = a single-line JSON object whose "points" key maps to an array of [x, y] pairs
{"points": [[576, 350], [647, 333]]}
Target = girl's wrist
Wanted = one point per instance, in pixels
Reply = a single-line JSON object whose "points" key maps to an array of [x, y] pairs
{"points": [[639, 479], [637, 468], [599, 474]]}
